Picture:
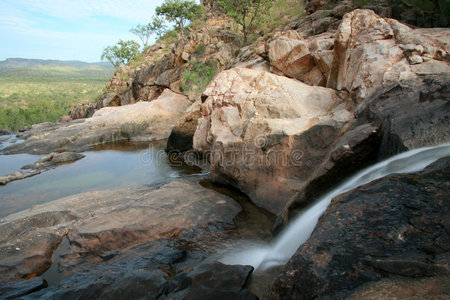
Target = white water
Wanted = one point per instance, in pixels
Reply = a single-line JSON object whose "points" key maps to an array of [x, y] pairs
{"points": [[297, 232]]}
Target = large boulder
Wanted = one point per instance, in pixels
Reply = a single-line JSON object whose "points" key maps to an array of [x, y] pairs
{"points": [[142, 121], [393, 232], [266, 134]]}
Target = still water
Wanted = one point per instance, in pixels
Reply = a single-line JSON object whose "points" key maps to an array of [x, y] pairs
{"points": [[123, 165]]}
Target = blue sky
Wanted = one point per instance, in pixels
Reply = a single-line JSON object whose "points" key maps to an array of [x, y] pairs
{"points": [[68, 29]]}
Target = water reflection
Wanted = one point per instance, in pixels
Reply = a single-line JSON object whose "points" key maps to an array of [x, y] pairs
{"points": [[105, 167]]}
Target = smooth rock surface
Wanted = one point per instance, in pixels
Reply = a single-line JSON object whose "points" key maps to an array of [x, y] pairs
{"points": [[101, 222], [139, 122]]}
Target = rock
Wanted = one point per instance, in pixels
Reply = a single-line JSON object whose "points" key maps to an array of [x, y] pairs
{"points": [[364, 51], [5, 132], [182, 134], [394, 229], [289, 53], [142, 121], [65, 119], [212, 281], [18, 175], [101, 222], [81, 111], [52, 159], [266, 134], [22, 288], [413, 114], [372, 54]]}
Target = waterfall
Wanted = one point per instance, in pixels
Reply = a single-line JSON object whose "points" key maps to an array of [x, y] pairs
{"points": [[300, 229]]}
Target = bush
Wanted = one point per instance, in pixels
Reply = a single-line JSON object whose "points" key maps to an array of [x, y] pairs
{"points": [[198, 76]]}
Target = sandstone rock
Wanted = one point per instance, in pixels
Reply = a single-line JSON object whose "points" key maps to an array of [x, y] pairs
{"points": [[266, 134], [364, 51], [393, 229], [289, 53], [99, 223], [142, 121]]}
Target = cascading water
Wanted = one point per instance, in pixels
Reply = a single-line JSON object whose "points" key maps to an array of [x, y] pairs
{"points": [[295, 234]]}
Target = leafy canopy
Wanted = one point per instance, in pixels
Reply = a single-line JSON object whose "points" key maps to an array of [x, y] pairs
{"points": [[121, 53], [180, 12], [143, 32], [245, 12]]}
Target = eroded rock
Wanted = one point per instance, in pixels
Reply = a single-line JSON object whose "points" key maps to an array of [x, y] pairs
{"points": [[266, 134]]}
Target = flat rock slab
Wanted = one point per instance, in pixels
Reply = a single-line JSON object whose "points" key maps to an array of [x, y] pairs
{"points": [[139, 122], [97, 223]]}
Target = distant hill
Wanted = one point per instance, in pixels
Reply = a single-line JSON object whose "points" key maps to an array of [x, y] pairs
{"points": [[14, 63]]}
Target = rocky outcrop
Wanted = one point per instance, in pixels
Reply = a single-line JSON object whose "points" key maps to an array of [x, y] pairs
{"points": [[99, 225], [143, 121], [391, 232], [53, 159], [266, 134]]}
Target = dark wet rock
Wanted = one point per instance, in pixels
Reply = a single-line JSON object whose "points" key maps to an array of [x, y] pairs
{"points": [[181, 137], [22, 288], [395, 227], [211, 281], [143, 121], [99, 225], [413, 114], [52, 159]]}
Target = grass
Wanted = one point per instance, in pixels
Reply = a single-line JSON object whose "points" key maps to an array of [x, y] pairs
{"points": [[43, 93]]}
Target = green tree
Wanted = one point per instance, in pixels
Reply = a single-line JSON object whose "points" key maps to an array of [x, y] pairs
{"points": [[121, 53], [143, 32], [180, 12], [245, 12]]}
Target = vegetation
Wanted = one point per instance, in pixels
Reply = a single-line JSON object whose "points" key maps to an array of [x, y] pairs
{"points": [[143, 32], [246, 13], [198, 76], [43, 93], [180, 12], [121, 53]]}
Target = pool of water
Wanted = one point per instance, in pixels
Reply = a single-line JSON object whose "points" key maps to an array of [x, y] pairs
{"points": [[123, 165]]}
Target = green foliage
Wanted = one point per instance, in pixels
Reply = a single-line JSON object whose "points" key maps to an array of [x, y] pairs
{"points": [[170, 36], [198, 76], [180, 12], [44, 93], [246, 13], [200, 50], [121, 53], [280, 14], [155, 27]]}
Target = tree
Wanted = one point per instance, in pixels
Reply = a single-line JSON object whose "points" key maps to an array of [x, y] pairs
{"points": [[180, 12], [143, 32], [121, 53], [245, 12]]}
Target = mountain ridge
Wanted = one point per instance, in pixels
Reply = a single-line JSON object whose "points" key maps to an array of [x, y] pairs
{"points": [[17, 62]]}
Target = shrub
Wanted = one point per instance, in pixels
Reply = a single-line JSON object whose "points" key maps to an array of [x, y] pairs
{"points": [[198, 75]]}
